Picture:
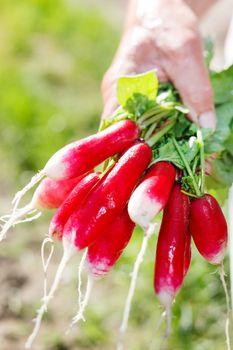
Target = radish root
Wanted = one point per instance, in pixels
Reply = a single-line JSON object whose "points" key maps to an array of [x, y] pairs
{"points": [[45, 263], [147, 234], [67, 254], [19, 195], [15, 217], [168, 322], [223, 280], [80, 314], [80, 269]]}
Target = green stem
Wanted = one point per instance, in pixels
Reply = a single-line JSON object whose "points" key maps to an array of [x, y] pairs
{"points": [[189, 194], [101, 125], [155, 138], [155, 118], [150, 131], [186, 164], [202, 159], [156, 110], [194, 167], [149, 113]]}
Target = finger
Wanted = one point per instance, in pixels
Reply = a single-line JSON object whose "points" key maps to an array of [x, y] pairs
{"points": [[190, 76]]}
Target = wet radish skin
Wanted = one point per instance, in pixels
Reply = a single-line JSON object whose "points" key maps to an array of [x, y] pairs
{"points": [[71, 203], [51, 193], [104, 253], [187, 252], [208, 227], [170, 262], [109, 197], [81, 156], [151, 195]]}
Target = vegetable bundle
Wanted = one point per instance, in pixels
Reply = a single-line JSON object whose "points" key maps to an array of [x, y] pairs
{"points": [[153, 158]]}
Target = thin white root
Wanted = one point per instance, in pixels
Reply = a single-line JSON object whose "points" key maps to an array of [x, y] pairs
{"points": [[124, 324], [168, 322], [19, 195], [29, 219], [45, 263], [68, 252], [80, 314], [80, 269], [14, 219], [222, 278], [160, 321]]}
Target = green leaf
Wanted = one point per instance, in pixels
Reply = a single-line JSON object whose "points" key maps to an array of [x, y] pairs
{"points": [[168, 152], [208, 50], [222, 83], [138, 104], [143, 84], [222, 169]]}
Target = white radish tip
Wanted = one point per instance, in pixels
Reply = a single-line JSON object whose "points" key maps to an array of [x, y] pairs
{"points": [[218, 258], [143, 214], [166, 298]]}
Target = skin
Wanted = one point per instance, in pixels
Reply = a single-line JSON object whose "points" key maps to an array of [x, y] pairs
{"points": [[164, 35]]}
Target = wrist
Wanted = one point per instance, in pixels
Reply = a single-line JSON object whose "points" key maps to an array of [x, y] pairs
{"points": [[153, 13]]}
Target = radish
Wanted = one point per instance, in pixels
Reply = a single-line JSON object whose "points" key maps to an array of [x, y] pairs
{"points": [[104, 253], [81, 156], [102, 205], [107, 200], [208, 228], [71, 203], [48, 195], [170, 254], [145, 203], [187, 253], [152, 194]]}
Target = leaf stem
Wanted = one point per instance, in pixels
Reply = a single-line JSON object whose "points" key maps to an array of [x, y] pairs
{"points": [[202, 159], [156, 110], [186, 164], [195, 162], [189, 194], [155, 118], [155, 138]]}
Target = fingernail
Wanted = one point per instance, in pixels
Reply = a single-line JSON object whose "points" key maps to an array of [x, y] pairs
{"points": [[208, 120], [193, 115]]}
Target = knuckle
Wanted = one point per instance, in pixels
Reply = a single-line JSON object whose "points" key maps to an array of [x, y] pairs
{"points": [[188, 43]]}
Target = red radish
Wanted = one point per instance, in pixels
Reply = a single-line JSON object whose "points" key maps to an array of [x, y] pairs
{"points": [[152, 194], [71, 203], [145, 203], [81, 156], [170, 261], [101, 206], [107, 200], [208, 228], [104, 253], [51, 193], [187, 253], [48, 195]]}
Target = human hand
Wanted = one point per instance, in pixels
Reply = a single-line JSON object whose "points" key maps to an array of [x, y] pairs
{"points": [[163, 35]]}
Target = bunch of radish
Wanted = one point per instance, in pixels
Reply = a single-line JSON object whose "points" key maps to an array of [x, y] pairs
{"points": [[97, 210]]}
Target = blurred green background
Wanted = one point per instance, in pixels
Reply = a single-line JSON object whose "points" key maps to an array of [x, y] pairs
{"points": [[53, 55]]}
